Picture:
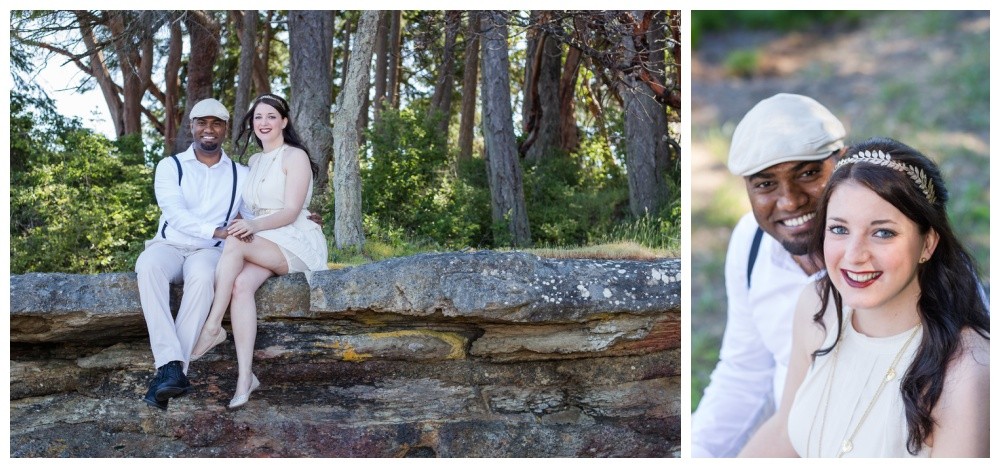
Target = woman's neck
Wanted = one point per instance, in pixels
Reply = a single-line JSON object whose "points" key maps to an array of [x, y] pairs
{"points": [[272, 145], [889, 319]]}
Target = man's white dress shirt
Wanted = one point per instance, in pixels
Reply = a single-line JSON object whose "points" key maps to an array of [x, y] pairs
{"points": [[193, 209], [746, 384]]}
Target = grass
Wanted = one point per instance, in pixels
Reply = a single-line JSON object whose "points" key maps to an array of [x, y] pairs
{"points": [[646, 238], [742, 63], [625, 250]]}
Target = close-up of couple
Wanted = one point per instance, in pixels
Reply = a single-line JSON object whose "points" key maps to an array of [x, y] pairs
{"points": [[856, 322]]}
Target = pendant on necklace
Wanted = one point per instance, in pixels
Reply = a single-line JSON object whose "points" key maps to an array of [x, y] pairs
{"points": [[890, 374], [847, 446]]}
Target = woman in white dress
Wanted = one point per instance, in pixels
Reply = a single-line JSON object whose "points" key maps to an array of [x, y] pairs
{"points": [[278, 239], [897, 363]]}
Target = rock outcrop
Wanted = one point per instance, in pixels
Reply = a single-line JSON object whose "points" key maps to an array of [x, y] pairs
{"points": [[480, 354]]}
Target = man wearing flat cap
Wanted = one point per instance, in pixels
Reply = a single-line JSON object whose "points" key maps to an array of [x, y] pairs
{"points": [[785, 149], [198, 192]]}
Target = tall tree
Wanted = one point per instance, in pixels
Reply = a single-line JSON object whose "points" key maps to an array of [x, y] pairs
{"points": [[347, 178], [132, 34], [469, 81], [171, 76], [546, 124], [261, 77], [569, 133], [645, 117], [204, 35], [395, 57], [248, 52], [98, 68], [310, 44], [381, 63], [532, 53], [623, 46], [503, 168], [444, 86]]}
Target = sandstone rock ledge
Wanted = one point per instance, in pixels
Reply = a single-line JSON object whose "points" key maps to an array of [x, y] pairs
{"points": [[479, 354]]}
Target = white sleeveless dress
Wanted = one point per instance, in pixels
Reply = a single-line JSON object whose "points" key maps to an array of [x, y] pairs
{"points": [[302, 242], [860, 367]]}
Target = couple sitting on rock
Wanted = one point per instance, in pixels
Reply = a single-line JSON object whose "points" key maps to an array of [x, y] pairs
{"points": [[206, 198]]}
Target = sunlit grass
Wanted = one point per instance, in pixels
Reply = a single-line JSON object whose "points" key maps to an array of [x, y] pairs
{"points": [[613, 251]]}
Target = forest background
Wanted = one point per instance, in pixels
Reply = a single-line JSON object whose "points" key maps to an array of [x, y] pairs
{"points": [[920, 77], [440, 130]]}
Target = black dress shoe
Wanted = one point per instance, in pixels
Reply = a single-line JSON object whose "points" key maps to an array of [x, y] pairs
{"points": [[174, 383], [150, 397], [151, 400]]}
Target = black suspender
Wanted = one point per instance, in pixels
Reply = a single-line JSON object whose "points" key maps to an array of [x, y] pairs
{"points": [[232, 200], [232, 196], [754, 247], [180, 175], [180, 172]]}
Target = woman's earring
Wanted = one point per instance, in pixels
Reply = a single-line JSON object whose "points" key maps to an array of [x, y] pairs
{"points": [[923, 259]]}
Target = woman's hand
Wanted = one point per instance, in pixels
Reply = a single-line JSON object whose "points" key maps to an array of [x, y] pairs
{"points": [[242, 228]]}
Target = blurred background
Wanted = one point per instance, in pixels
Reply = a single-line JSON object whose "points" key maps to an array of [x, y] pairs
{"points": [[919, 77]]}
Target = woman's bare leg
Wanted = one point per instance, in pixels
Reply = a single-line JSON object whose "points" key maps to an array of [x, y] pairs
{"points": [[243, 315], [235, 255]]}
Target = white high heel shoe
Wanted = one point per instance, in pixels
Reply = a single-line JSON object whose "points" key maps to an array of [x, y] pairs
{"points": [[240, 400]]}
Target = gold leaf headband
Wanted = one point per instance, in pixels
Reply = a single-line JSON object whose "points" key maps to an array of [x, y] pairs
{"points": [[881, 159]]}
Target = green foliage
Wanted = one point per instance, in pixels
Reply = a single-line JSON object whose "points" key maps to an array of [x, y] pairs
{"points": [[566, 203], [407, 183], [742, 63], [416, 199], [781, 20], [78, 204]]}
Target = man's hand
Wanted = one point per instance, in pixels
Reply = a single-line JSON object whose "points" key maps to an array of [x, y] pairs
{"points": [[316, 218], [220, 233]]}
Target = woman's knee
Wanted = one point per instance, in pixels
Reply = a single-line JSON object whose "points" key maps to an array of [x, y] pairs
{"points": [[245, 285]]}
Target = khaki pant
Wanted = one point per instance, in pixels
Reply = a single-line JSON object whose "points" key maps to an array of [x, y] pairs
{"points": [[160, 265]]}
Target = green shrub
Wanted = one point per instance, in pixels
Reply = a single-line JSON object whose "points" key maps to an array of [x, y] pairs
{"points": [[408, 183], [84, 212]]}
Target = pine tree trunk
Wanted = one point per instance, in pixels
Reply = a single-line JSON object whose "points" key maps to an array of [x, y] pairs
{"points": [[134, 49], [248, 52], [549, 121], [381, 62], [569, 133], [532, 55], [310, 45], [101, 74], [261, 77], [503, 167], [347, 178], [469, 81], [172, 114], [444, 86], [645, 129], [204, 34], [395, 60]]}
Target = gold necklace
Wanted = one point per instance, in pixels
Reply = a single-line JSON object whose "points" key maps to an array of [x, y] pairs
{"points": [[848, 444], [270, 163]]}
